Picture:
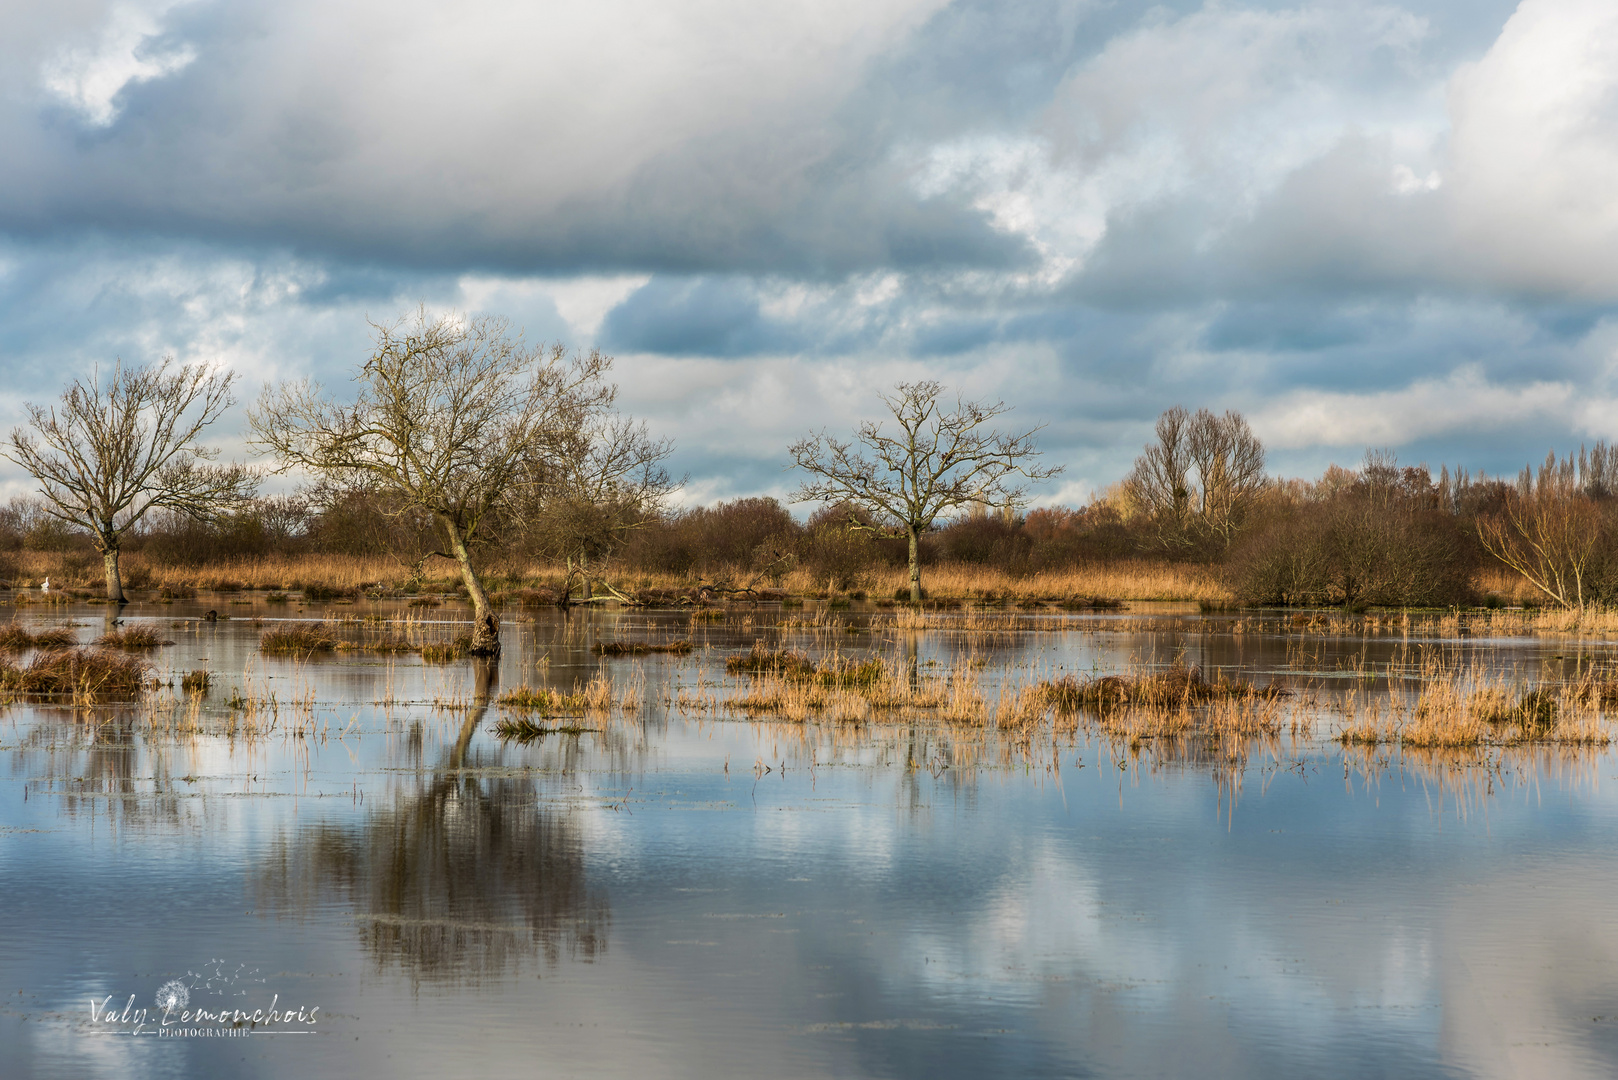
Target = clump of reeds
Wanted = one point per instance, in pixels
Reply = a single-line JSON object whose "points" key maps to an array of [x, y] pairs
{"points": [[638, 648], [762, 660], [299, 639], [1172, 687], [708, 615], [88, 675], [135, 637], [794, 666], [392, 643], [196, 682], [443, 652], [321, 593], [594, 695], [426, 602], [533, 699], [15, 637], [1089, 603]]}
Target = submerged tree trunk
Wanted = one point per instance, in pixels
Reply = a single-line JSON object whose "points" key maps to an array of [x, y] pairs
{"points": [[109, 563], [915, 566], [485, 625]]}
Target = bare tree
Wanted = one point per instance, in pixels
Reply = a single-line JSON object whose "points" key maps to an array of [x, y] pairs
{"points": [[1229, 461], [107, 454], [1200, 478], [450, 416], [1550, 532], [939, 461], [1161, 481]]}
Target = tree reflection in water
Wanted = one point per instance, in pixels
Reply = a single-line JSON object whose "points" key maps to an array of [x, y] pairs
{"points": [[459, 880]]}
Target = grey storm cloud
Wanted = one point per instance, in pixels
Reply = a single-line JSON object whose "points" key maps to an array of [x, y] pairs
{"points": [[1360, 223]]}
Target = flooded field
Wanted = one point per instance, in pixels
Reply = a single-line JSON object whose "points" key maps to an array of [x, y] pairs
{"points": [[802, 843]]}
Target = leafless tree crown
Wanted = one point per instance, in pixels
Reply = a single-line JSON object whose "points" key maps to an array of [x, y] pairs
{"points": [[1201, 475], [938, 460], [460, 418], [108, 453]]}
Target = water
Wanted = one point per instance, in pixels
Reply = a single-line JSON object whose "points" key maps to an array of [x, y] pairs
{"points": [[682, 893]]}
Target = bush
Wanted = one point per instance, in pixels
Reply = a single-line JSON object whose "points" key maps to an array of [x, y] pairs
{"points": [[1350, 551]]}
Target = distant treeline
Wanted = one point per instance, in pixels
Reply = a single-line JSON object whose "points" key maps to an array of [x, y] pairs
{"points": [[1379, 534]]}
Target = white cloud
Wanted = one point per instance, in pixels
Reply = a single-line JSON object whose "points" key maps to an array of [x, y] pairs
{"points": [[1427, 408], [90, 80], [1533, 169]]}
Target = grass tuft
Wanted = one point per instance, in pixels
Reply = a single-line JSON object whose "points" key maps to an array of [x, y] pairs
{"points": [[637, 648], [299, 639], [135, 637], [88, 675]]}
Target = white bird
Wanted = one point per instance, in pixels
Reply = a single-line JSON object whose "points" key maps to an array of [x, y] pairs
{"points": [[45, 586]]}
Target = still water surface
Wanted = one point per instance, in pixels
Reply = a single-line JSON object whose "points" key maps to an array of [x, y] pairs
{"points": [[678, 892]]}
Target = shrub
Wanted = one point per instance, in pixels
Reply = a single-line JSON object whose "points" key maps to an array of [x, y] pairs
{"points": [[1350, 550]]}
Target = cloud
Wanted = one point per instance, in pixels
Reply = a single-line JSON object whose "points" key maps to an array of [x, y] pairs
{"points": [[128, 51], [601, 135], [1384, 223]]}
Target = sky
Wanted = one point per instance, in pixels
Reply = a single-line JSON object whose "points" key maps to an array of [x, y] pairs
{"points": [[1358, 224]]}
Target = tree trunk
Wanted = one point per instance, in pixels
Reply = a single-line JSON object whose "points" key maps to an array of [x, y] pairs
{"points": [[915, 565], [115, 583], [485, 626]]}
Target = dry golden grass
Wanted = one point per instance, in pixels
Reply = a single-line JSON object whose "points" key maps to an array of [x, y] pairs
{"points": [[1457, 708], [14, 636], [85, 675], [1126, 579], [140, 636]]}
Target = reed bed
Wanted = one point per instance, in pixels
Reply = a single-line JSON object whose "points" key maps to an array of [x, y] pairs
{"points": [[14, 637], [1460, 707], [141, 636], [641, 648], [834, 671], [595, 696], [299, 639], [1124, 579], [87, 676], [1171, 688], [444, 652], [369, 635]]}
